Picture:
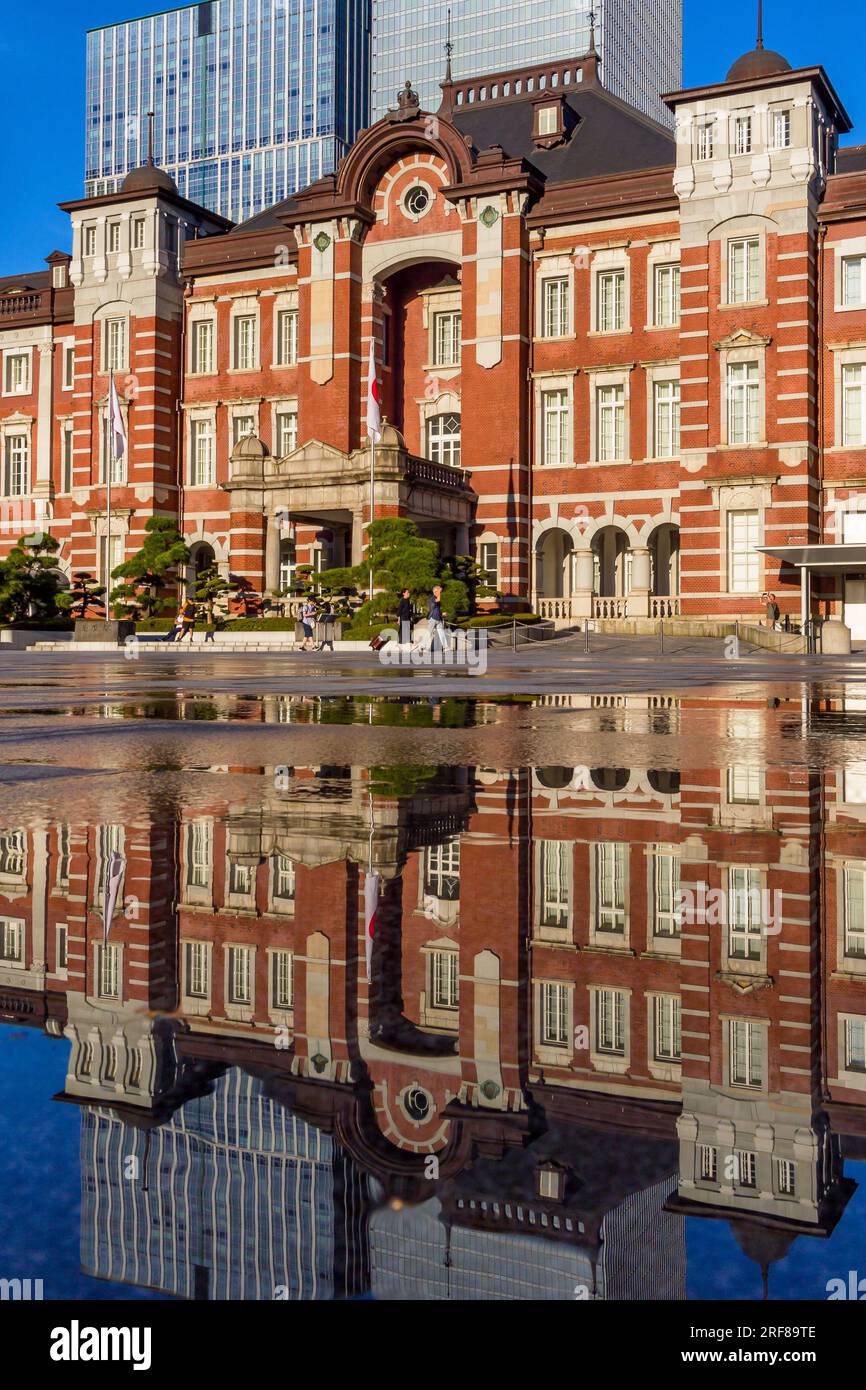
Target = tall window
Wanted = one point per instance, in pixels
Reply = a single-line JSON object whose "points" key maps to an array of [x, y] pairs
{"points": [[554, 888], [666, 892], [287, 337], [747, 1052], [16, 381], [242, 879], [16, 465], [66, 458], [855, 1044], [667, 419], [854, 405], [744, 270], [707, 1157], [444, 979], [743, 557], [610, 1022], [283, 878], [610, 405], [110, 559], [138, 227], [853, 281], [554, 1014], [610, 887], [743, 135], [287, 432], [667, 296], [242, 425], [13, 854], [201, 464], [854, 917], [11, 941], [781, 130], [667, 1028], [442, 870], [62, 941], [488, 560], [443, 439], [554, 307], [554, 427], [197, 970], [88, 240], [611, 301], [110, 460], [63, 856], [747, 1168], [447, 331], [786, 1177], [202, 346], [245, 343], [69, 367], [113, 237], [199, 853], [108, 970], [282, 982], [745, 931], [115, 350], [744, 403], [744, 785], [240, 972], [705, 141]]}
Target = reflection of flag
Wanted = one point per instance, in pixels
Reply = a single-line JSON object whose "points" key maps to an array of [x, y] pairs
{"points": [[374, 414], [371, 903], [115, 417], [113, 877]]}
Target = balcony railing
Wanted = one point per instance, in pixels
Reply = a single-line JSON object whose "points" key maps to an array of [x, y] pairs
{"points": [[667, 607], [610, 607], [439, 474], [555, 607], [14, 305]]}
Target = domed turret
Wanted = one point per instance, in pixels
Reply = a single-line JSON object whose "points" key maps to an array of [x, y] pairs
{"points": [[761, 62]]}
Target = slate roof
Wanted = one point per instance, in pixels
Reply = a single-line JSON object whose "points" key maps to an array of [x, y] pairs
{"points": [[851, 159]]}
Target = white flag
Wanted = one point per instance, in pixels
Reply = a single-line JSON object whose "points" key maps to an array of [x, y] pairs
{"points": [[371, 906], [113, 877], [118, 428], [374, 414]]}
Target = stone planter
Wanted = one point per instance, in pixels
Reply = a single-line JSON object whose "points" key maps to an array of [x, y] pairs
{"points": [[114, 631]]}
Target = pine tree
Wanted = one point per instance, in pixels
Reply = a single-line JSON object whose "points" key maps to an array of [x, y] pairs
{"points": [[30, 580], [148, 574]]}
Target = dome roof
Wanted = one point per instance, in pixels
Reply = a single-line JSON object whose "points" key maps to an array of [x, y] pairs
{"points": [[148, 179], [249, 446], [761, 62]]}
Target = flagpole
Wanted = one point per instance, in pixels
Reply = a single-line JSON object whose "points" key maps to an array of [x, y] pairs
{"points": [[372, 504], [109, 457]]}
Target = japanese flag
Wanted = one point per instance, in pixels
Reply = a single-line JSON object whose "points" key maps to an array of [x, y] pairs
{"points": [[371, 904], [114, 872], [374, 414], [118, 428]]}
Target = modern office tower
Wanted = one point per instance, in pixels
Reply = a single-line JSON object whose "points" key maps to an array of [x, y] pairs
{"points": [[641, 45], [252, 99]]}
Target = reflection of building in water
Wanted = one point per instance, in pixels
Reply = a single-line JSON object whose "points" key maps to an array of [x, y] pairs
{"points": [[233, 1197], [601, 999]]}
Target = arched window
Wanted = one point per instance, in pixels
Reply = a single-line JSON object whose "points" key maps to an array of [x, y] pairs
{"points": [[443, 439]]}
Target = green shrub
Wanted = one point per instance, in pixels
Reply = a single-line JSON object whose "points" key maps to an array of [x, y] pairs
{"points": [[500, 620]]}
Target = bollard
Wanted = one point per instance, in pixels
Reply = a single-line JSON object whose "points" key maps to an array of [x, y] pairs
{"points": [[661, 635], [586, 637]]}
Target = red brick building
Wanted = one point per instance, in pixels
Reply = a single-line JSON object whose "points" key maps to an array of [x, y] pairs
{"points": [[622, 369]]}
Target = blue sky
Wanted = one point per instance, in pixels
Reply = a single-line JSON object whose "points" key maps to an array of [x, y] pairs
{"points": [[42, 98]]}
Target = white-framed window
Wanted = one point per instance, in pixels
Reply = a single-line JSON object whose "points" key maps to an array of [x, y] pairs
{"points": [[744, 785], [110, 559], [11, 941], [747, 1168], [62, 948], [610, 1006], [781, 130], [442, 870], [112, 239], [853, 405], [287, 432], [88, 239], [444, 979], [667, 1027], [488, 560], [744, 561], [107, 970], [115, 346], [554, 307], [13, 854], [68, 366], [554, 882], [201, 462], [242, 879], [443, 439], [202, 347], [667, 419], [745, 929], [16, 465], [610, 886], [666, 893], [287, 337], [747, 1053], [855, 1044], [447, 338], [283, 868], [744, 403], [553, 998], [854, 913], [742, 135], [611, 301], [705, 142], [554, 427], [199, 854], [548, 120], [16, 373], [853, 281], [786, 1177], [282, 980], [240, 974], [245, 335], [138, 232], [610, 409], [196, 969], [242, 426], [110, 460], [744, 270], [708, 1162], [666, 296]]}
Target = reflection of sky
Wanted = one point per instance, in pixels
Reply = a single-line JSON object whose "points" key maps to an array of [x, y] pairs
{"points": [[718, 1269], [40, 1200]]}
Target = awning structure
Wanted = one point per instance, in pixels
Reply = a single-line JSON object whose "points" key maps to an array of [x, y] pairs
{"points": [[818, 559]]}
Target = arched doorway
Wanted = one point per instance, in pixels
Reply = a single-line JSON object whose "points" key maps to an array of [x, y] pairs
{"points": [[612, 561], [554, 570], [201, 557], [664, 548]]}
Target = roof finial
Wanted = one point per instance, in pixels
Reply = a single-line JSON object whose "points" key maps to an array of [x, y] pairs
{"points": [[591, 49], [760, 43], [150, 139], [449, 49]]}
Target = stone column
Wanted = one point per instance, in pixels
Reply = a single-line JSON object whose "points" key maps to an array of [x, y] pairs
{"points": [[639, 589], [272, 555], [359, 521], [584, 572], [44, 364]]}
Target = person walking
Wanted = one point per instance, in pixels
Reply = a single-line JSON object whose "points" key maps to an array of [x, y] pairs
{"points": [[436, 621], [187, 620], [308, 618], [405, 616]]}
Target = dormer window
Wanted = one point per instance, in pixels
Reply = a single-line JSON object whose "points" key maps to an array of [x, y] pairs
{"points": [[550, 120], [550, 1182], [60, 276]]}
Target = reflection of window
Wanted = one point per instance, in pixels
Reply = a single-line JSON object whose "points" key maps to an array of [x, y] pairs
{"points": [[11, 940], [855, 1044], [240, 975], [707, 1162], [786, 1177], [442, 870], [610, 887], [444, 979], [284, 877], [554, 871], [443, 439], [747, 1168], [107, 971], [13, 854], [666, 892], [744, 785], [446, 338], [610, 1022], [281, 980], [744, 914], [554, 1014], [746, 1042], [855, 921], [197, 970], [241, 879], [666, 1009], [62, 947], [109, 840], [199, 853]]}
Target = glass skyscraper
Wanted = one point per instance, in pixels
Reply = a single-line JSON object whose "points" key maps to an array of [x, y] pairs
{"points": [[252, 99], [640, 42]]}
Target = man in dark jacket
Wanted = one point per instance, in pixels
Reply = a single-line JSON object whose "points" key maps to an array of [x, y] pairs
{"points": [[435, 620], [405, 615]]}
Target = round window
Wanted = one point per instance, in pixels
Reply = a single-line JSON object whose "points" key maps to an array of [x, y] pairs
{"points": [[417, 1104], [417, 201]]}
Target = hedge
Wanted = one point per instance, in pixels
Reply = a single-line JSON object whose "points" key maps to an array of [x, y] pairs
{"points": [[229, 625], [495, 620]]}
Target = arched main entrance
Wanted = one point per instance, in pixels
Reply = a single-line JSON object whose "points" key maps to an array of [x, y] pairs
{"points": [[664, 548]]}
